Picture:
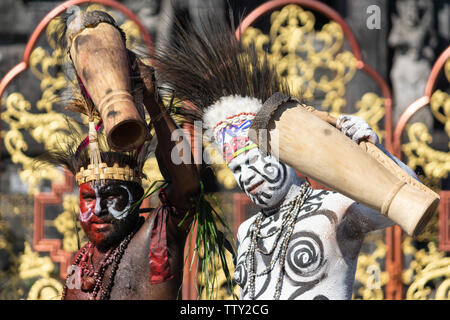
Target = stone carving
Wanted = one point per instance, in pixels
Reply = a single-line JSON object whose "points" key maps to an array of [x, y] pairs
{"points": [[413, 38]]}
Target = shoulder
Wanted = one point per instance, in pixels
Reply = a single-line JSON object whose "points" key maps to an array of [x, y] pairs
{"points": [[350, 212], [330, 200]]}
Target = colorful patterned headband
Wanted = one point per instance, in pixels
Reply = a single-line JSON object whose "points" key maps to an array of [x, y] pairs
{"points": [[232, 135]]}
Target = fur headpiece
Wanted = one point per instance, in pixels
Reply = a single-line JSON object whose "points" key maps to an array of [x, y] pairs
{"points": [[226, 81]]}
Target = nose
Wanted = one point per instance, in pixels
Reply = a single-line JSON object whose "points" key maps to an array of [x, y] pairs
{"points": [[100, 205], [247, 175]]}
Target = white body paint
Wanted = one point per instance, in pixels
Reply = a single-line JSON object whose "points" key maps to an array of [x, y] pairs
{"points": [[253, 169], [329, 230], [85, 215], [110, 204], [340, 233]]}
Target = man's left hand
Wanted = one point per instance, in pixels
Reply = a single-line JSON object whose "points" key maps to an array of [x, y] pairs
{"points": [[356, 129]]}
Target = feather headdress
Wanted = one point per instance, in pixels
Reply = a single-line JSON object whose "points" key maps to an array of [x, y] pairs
{"points": [[226, 81]]}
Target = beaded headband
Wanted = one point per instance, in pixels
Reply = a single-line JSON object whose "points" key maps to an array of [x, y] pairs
{"points": [[232, 135], [230, 119]]}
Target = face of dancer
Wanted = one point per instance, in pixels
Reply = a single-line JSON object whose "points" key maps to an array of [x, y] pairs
{"points": [[264, 179], [105, 211]]}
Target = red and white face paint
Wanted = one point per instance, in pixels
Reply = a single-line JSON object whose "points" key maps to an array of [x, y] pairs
{"points": [[103, 208], [114, 197], [88, 199]]}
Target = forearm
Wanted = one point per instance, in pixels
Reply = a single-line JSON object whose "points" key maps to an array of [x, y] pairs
{"points": [[183, 174], [403, 166]]}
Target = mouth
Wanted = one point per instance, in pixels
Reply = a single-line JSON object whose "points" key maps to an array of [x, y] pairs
{"points": [[253, 188], [101, 226]]}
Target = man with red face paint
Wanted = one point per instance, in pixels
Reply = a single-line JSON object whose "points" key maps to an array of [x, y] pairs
{"points": [[127, 256]]}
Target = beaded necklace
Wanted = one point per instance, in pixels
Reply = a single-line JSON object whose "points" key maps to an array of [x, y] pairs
{"points": [[94, 279], [288, 224]]}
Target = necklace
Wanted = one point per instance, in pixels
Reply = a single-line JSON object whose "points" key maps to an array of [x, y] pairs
{"points": [[93, 281], [288, 224]]}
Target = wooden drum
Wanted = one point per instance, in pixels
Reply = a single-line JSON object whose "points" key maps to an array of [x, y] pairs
{"points": [[302, 140], [101, 61]]}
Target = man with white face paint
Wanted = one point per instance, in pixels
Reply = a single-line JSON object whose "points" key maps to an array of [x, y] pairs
{"points": [[304, 243]]}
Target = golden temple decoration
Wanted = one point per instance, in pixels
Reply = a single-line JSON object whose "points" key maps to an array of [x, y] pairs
{"points": [[440, 106], [46, 289], [32, 265], [313, 62], [369, 272], [435, 164], [45, 128], [66, 222], [428, 275]]}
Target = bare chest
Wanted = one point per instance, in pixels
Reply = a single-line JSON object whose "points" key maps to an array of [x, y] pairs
{"points": [[300, 264], [131, 278]]}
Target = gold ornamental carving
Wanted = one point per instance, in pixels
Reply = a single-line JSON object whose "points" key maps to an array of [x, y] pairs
{"points": [[32, 266], [435, 164], [420, 153], [428, 275], [45, 122], [314, 62], [369, 272]]}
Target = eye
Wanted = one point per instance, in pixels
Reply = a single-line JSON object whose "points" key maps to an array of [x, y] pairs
{"points": [[253, 159], [237, 169], [88, 196]]}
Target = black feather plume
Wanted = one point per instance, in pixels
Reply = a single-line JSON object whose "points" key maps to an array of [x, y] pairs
{"points": [[67, 153], [207, 63]]}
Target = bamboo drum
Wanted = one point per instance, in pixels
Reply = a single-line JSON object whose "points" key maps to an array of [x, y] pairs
{"points": [[101, 61], [363, 173]]}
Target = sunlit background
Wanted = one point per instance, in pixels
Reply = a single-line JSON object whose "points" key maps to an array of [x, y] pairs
{"points": [[385, 61]]}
